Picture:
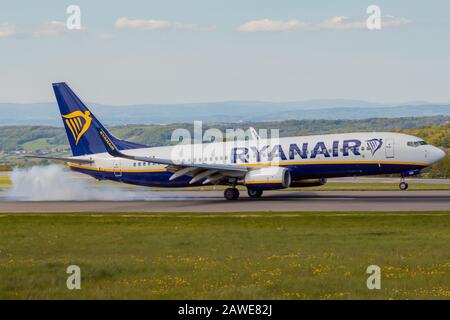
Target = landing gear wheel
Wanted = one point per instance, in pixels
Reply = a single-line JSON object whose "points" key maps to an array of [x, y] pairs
{"points": [[254, 193], [403, 185], [231, 194]]}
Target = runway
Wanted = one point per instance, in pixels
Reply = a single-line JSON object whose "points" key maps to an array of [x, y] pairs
{"points": [[212, 201]]}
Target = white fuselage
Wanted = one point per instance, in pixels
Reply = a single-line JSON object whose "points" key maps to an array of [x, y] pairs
{"points": [[317, 156]]}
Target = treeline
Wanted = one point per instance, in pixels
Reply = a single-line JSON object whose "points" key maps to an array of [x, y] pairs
{"points": [[17, 140], [438, 136], [16, 137]]}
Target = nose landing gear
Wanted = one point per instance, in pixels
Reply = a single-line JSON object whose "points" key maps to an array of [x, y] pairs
{"points": [[403, 185]]}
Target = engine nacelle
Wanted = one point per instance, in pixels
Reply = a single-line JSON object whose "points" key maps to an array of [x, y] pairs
{"points": [[308, 183], [268, 178]]}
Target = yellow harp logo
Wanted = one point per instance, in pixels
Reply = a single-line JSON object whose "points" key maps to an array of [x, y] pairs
{"points": [[78, 123]]}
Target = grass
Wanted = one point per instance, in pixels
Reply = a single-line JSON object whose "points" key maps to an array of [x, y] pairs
{"points": [[41, 144], [225, 256], [4, 181]]}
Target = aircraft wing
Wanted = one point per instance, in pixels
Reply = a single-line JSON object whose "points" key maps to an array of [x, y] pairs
{"points": [[213, 173], [73, 160]]}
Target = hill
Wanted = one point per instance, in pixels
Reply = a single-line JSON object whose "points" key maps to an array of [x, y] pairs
{"points": [[15, 141], [46, 114]]}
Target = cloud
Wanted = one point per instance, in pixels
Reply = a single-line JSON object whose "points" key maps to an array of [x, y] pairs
{"points": [[54, 28], [124, 22], [333, 23], [152, 24], [267, 25], [7, 30], [342, 22], [345, 23], [47, 29]]}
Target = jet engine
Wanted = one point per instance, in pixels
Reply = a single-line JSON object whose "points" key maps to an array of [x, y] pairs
{"points": [[268, 178], [308, 183]]}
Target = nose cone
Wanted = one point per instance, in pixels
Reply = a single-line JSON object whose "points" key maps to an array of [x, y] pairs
{"points": [[436, 154]]}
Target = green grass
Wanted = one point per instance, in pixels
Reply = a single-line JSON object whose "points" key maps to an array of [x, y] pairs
{"points": [[4, 181], [224, 255], [36, 144], [41, 144]]}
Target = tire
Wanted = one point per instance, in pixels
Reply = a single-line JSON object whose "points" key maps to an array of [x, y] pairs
{"points": [[403, 186], [254, 193], [231, 194]]}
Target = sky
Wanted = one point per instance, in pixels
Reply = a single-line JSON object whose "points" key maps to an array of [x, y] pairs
{"points": [[182, 51]]}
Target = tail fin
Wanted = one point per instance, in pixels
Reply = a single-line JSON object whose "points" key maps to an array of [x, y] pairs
{"points": [[82, 126]]}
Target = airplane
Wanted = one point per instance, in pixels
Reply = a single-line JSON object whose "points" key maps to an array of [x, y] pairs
{"points": [[258, 164]]}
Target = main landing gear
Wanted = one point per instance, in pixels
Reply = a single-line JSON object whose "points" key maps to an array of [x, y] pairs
{"points": [[403, 185], [231, 194], [254, 193]]}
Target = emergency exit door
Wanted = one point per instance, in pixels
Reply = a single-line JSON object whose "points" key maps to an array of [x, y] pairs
{"points": [[389, 148], [117, 169]]}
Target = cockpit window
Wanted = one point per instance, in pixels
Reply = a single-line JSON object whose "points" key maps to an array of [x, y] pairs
{"points": [[416, 143]]}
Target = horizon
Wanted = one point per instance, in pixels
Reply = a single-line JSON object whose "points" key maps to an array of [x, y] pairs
{"points": [[150, 104]]}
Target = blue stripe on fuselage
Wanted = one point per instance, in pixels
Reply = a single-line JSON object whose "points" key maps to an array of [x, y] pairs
{"points": [[304, 171]]}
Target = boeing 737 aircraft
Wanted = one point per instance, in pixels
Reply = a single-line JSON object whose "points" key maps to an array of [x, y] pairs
{"points": [[258, 165]]}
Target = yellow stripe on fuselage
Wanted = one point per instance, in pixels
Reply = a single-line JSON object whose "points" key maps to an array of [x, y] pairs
{"points": [[75, 165], [290, 163], [262, 181]]}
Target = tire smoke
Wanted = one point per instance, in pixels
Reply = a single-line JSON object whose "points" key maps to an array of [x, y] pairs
{"points": [[53, 182]]}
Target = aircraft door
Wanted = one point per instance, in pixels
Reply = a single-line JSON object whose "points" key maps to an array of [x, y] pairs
{"points": [[117, 169], [389, 148]]}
